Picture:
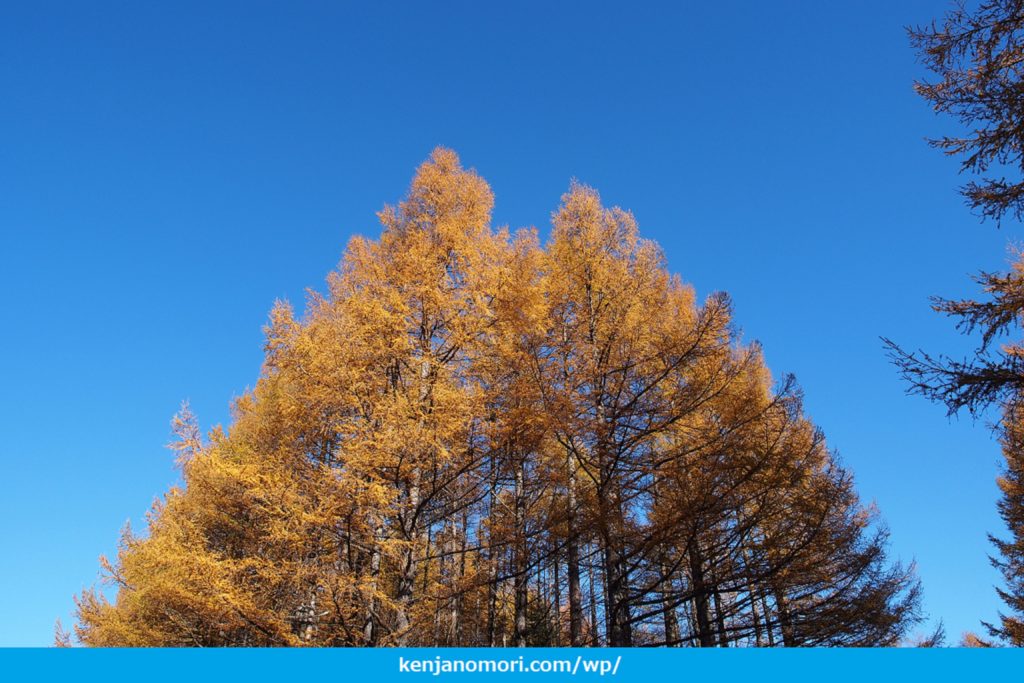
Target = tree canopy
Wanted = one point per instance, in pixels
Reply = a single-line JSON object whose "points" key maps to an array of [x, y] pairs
{"points": [[977, 55], [475, 439]]}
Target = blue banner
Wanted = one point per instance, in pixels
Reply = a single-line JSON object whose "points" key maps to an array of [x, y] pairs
{"points": [[424, 664]]}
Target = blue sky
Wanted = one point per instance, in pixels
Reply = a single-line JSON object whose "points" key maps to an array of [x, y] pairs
{"points": [[167, 171]]}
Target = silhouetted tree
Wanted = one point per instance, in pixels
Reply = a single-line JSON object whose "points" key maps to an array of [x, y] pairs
{"points": [[977, 55]]}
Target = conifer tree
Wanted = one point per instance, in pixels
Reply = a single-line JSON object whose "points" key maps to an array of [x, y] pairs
{"points": [[1010, 561], [976, 54], [473, 439]]}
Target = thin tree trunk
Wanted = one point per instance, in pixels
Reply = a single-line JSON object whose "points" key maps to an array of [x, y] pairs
{"points": [[407, 575], [768, 626], [701, 606], [723, 638], [460, 576], [594, 639], [618, 630], [492, 568], [785, 620], [573, 560], [370, 630], [558, 601], [520, 581], [671, 619]]}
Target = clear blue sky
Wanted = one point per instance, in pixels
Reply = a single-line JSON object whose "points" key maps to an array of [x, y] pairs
{"points": [[167, 171]]}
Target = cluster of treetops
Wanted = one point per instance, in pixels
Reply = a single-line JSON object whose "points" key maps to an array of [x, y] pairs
{"points": [[477, 439]]}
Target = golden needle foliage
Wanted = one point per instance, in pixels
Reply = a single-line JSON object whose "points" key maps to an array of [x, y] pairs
{"points": [[472, 439]]}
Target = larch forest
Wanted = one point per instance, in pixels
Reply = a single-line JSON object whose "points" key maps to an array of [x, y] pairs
{"points": [[474, 438]]}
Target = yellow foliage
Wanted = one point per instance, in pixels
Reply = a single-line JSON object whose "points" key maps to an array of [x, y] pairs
{"points": [[464, 432]]}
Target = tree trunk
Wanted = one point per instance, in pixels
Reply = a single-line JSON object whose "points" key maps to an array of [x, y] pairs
{"points": [[701, 605], [573, 559], [723, 638], [785, 620], [409, 567], [671, 619], [370, 630], [492, 563], [618, 630], [594, 640], [519, 551]]}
